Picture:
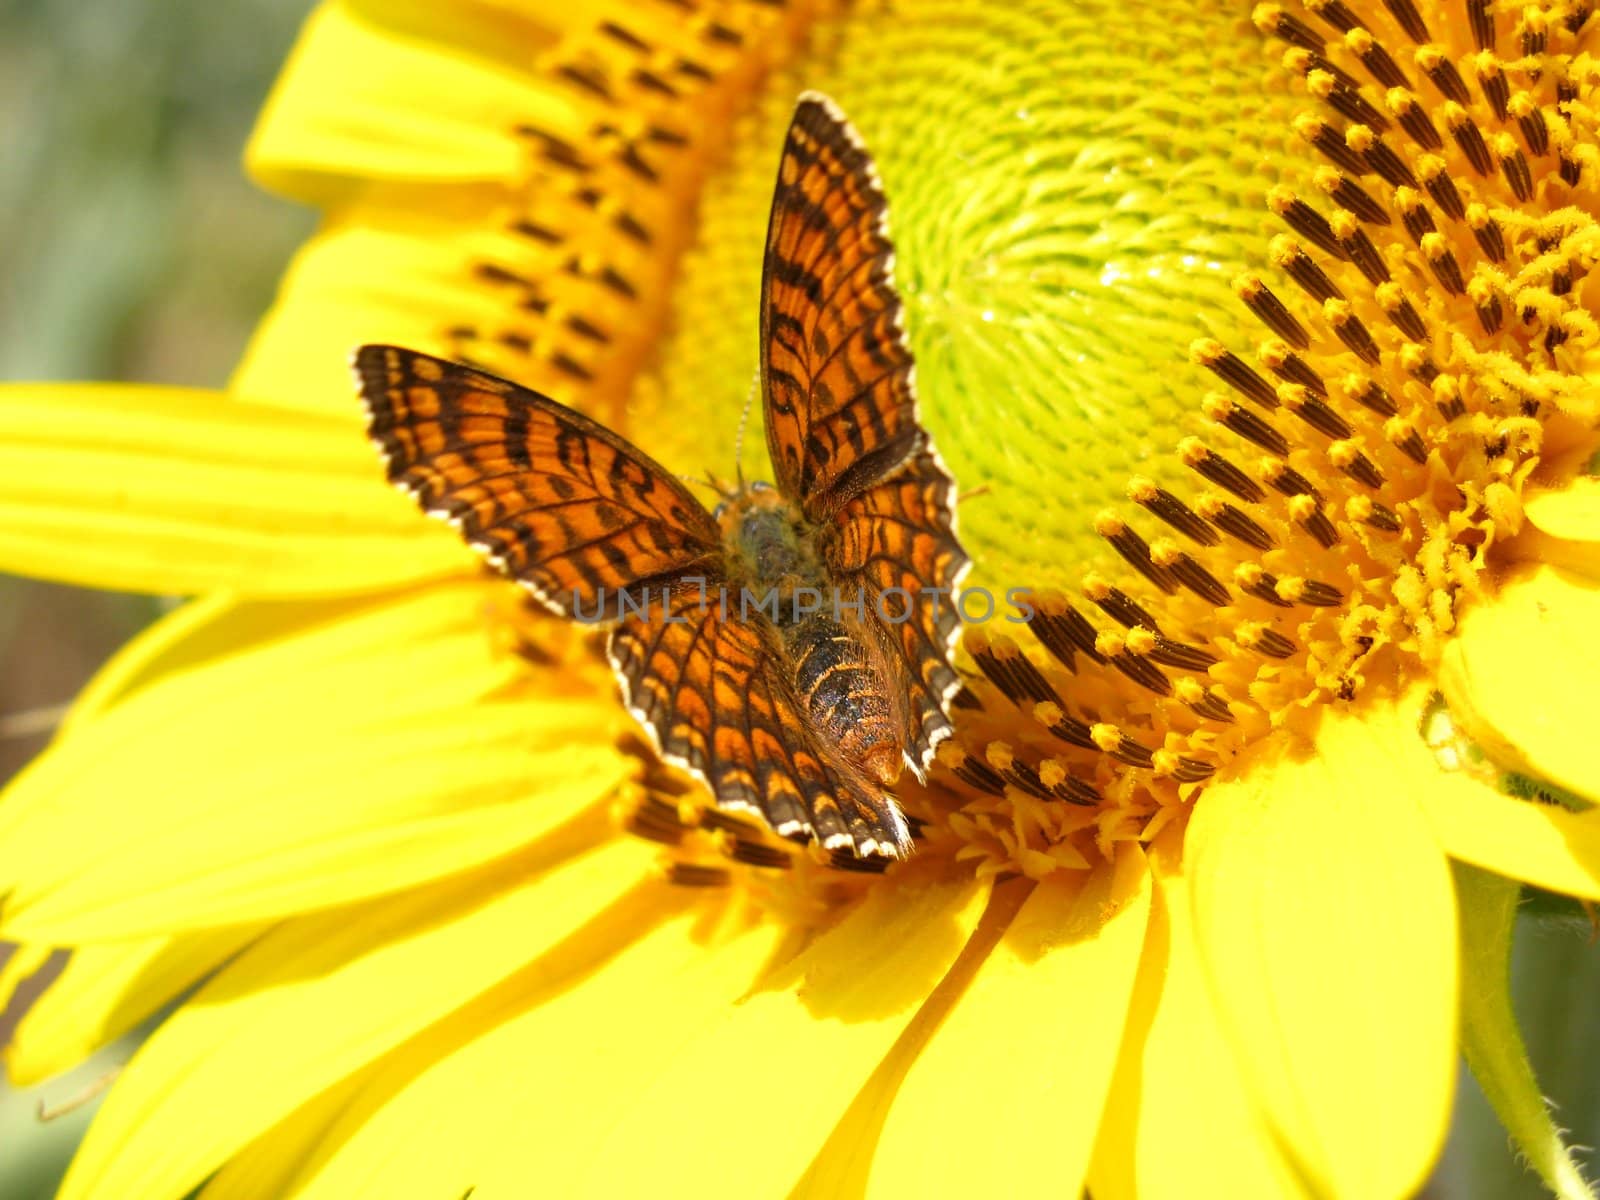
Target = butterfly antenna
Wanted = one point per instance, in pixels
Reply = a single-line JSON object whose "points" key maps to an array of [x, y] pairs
{"points": [[744, 420]]}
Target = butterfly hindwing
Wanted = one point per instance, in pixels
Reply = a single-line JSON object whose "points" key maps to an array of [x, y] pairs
{"points": [[563, 505], [836, 371], [895, 544], [714, 690]]}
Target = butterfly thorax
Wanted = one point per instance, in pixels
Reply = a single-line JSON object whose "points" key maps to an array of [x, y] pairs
{"points": [[768, 544], [772, 556]]}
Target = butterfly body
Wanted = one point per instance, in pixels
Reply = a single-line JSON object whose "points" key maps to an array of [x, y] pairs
{"points": [[774, 566], [791, 649]]}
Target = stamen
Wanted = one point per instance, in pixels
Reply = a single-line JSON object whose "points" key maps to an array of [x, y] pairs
{"points": [[1135, 552], [1468, 136], [1114, 647], [1064, 785], [1303, 219], [1414, 213], [761, 854], [1174, 512], [1227, 366], [1285, 254], [1492, 82], [1253, 580], [1369, 395], [1443, 261], [1270, 311], [1210, 465], [1480, 13], [1203, 702], [1333, 12], [1350, 329], [1413, 118], [1327, 140], [1403, 436], [1253, 635], [1530, 120], [1062, 629], [1347, 457], [1401, 311], [1514, 166], [1290, 367], [1311, 409], [1243, 422], [1068, 728], [1111, 740], [1118, 605], [1379, 155], [1181, 768], [1375, 58], [1339, 94], [973, 772], [1004, 664], [1436, 179], [1405, 12], [1431, 60], [1188, 571], [1234, 522], [1358, 247]]}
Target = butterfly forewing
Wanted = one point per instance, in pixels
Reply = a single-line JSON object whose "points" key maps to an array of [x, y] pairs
{"points": [[835, 367], [841, 414], [561, 504]]}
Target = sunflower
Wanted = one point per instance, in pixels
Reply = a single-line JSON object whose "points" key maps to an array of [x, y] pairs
{"points": [[1264, 350]]}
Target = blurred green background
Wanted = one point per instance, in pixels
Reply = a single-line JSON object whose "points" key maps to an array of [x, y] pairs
{"points": [[135, 250]]}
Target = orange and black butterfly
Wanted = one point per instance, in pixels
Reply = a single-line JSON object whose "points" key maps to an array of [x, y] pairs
{"points": [[793, 648]]}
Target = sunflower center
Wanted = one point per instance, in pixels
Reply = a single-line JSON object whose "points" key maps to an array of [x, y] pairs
{"points": [[1243, 360]]}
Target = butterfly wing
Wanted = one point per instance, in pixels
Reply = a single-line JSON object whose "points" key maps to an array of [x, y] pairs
{"points": [[835, 368], [841, 413], [563, 505], [895, 545], [713, 689]]}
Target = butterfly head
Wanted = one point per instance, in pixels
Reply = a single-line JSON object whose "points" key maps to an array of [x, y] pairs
{"points": [[736, 501]]}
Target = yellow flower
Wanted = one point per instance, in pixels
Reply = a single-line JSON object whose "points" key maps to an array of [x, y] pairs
{"points": [[1182, 920]]}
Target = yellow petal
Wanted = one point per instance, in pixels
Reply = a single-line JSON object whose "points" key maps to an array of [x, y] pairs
{"points": [[1541, 844], [525, 1097], [172, 491], [1179, 1112], [194, 634], [1520, 675], [320, 996], [107, 990], [1012, 1081], [268, 1165], [754, 1097], [1326, 923], [377, 749], [364, 99], [1571, 512], [378, 277]]}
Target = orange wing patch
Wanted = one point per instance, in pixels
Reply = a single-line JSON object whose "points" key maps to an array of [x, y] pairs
{"points": [[836, 371], [563, 505]]}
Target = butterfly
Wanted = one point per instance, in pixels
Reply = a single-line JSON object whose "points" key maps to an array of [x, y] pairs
{"points": [[792, 649]]}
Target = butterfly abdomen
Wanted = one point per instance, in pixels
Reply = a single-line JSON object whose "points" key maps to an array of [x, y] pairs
{"points": [[844, 695]]}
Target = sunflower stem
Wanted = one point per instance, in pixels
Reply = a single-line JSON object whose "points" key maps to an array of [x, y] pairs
{"points": [[1489, 1035]]}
